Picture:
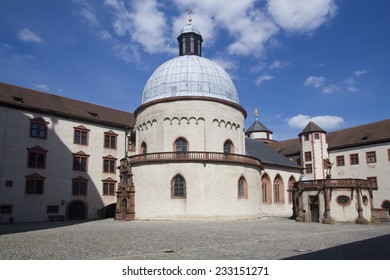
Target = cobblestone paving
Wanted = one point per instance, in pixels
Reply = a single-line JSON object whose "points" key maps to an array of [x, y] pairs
{"points": [[267, 238]]}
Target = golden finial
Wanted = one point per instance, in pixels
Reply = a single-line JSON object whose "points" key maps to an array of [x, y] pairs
{"points": [[256, 113], [190, 16]]}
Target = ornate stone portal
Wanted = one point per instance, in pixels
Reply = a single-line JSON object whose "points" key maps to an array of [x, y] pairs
{"points": [[345, 189], [125, 203]]}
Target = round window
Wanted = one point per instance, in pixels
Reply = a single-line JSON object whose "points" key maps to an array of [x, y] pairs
{"points": [[365, 200], [343, 200]]}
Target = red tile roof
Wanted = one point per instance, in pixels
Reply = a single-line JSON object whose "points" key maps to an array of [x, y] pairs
{"points": [[50, 104], [372, 133]]}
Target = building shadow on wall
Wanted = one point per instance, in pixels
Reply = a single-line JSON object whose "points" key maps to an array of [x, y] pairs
{"points": [[68, 195], [370, 249]]}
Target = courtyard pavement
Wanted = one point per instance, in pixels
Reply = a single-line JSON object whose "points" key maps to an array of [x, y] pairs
{"points": [[269, 238]]}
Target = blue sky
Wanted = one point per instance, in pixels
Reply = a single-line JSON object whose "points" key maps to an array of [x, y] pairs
{"points": [[295, 60]]}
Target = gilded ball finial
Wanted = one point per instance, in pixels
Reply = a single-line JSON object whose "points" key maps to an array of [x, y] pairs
{"points": [[256, 113]]}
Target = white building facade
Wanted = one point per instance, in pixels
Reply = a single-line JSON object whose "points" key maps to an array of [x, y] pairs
{"points": [[58, 156]]}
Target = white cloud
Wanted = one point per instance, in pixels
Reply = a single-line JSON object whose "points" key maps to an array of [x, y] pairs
{"points": [[350, 81], [27, 35], [359, 73], [277, 64], [324, 121], [329, 89], [225, 63], [42, 87], [248, 26], [315, 81], [301, 15], [88, 13], [263, 78], [352, 88], [144, 23]]}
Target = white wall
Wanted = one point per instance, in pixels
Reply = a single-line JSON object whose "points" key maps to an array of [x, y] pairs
{"points": [[206, 126], [212, 191], [380, 169], [14, 141]]}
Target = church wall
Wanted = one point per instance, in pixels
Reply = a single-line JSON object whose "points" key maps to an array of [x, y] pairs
{"points": [[379, 169], [205, 125], [211, 191], [279, 208]]}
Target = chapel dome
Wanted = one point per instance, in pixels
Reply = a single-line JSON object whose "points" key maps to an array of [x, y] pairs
{"points": [[190, 75]]}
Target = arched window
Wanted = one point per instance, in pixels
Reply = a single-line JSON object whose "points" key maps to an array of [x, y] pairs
{"points": [[228, 147], [278, 189], [144, 149], [178, 187], [181, 145], [242, 188], [266, 188]]}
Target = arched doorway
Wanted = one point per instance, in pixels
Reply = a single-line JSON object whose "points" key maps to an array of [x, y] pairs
{"points": [[76, 210], [107, 211]]}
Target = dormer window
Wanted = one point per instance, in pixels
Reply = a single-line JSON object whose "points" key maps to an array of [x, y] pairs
{"points": [[93, 115], [18, 99]]}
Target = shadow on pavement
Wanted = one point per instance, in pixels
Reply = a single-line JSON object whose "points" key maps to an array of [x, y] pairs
{"points": [[33, 226], [377, 248]]}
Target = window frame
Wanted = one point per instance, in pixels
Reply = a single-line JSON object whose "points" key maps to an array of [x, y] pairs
{"points": [[341, 203], [79, 140], [109, 187], [34, 184], [33, 155], [309, 168], [228, 147], [111, 164], [242, 188], [340, 160], [373, 180], [308, 156], [52, 209], [79, 158], [108, 142], [180, 142], [41, 129], [143, 148], [354, 159], [371, 157], [176, 186], [79, 186], [6, 206]]}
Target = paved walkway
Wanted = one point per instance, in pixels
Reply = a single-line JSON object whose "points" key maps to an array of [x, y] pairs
{"points": [[267, 238]]}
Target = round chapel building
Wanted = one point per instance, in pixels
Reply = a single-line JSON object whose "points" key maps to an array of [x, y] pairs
{"points": [[190, 160]]}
